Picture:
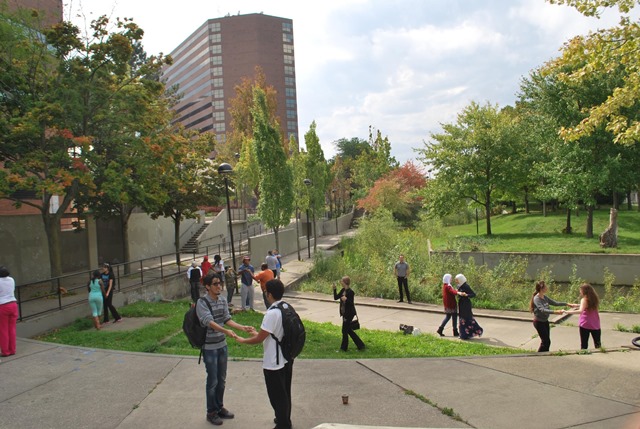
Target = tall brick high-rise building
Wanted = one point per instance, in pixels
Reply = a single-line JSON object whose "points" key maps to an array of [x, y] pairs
{"points": [[218, 55], [50, 11]]}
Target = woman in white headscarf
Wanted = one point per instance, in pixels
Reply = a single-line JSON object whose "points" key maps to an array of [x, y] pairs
{"points": [[450, 305], [468, 326]]}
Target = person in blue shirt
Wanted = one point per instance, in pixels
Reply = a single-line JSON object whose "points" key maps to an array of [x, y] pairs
{"points": [[246, 272]]}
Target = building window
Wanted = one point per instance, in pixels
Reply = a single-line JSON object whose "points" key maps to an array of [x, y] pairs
{"points": [[287, 49], [291, 114], [218, 104], [291, 125], [218, 116], [215, 38], [217, 82], [289, 81], [218, 93], [287, 27], [290, 92], [214, 26], [287, 37], [288, 59], [217, 71], [216, 49], [291, 103], [288, 70], [219, 127], [216, 61], [72, 224]]}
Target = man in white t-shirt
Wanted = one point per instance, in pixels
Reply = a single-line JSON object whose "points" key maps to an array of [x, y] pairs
{"points": [[277, 370]]}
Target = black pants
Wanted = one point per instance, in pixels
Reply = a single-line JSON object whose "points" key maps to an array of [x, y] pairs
{"points": [[194, 288], [449, 316], [348, 332], [279, 390], [108, 305], [544, 333], [584, 337], [402, 281]]}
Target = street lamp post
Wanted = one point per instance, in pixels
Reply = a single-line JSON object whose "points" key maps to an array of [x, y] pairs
{"points": [[335, 205], [308, 183], [225, 169]]}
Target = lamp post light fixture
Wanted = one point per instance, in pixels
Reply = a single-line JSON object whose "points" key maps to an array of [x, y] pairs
{"points": [[225, 169], [308, 183]]}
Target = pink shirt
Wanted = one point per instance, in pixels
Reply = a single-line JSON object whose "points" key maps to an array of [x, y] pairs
{"points": [[589, 319]]}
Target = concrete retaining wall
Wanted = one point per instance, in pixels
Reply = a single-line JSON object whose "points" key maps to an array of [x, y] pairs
{"points": [[174, 287], [590, 267]]}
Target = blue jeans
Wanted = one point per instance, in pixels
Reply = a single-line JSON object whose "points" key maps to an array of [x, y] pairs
{"points": [[215, 362]]}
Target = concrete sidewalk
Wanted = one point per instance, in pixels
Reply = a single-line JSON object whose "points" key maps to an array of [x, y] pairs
{"points": [[51, 386]]}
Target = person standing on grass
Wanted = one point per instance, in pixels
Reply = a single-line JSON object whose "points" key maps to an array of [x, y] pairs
{"points": [[469, 328], [109, 282], [8, 313], [540, 307], [213, 312], [401, 270], [347, 312], [278, 372], [589, 317], [96, 301], [450, 306]]}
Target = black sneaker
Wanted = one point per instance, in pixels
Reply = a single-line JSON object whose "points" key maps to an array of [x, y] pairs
{"points": [[225, 414], [214, 419]]}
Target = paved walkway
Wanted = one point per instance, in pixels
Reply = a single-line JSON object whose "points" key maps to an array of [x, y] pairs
{"points": [[51, 386]]}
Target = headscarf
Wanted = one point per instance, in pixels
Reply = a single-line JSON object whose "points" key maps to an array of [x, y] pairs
{"points": [[446, 279], [461, 278]]}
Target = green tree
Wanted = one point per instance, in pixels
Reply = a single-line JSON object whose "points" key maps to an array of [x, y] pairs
{"points": [[613, 50], [473, 160], [276, 181], [317, 172], [374, 163]]}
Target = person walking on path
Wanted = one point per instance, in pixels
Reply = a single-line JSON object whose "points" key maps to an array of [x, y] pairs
{"points": [[401, 270], [194, 274], [469, 328], [278, 264], [8, 313], [263, 277], [450, 306], [540, 307], [230, 283], [278, 372], [96, 300], [272, 262], [218, 267], [347, 312], [213, 312], [246, 271], [589, 317], [109, 282]]}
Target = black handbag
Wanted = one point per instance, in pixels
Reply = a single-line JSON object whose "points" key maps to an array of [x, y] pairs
{"points": [[355, 324]]}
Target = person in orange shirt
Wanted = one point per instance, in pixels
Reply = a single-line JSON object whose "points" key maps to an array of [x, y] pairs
{"points": [[263, 277]]}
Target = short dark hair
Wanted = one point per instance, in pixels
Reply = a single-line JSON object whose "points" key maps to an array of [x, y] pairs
{"points": [[4, 272], [208, 280], [264, 266], [276, 288]]}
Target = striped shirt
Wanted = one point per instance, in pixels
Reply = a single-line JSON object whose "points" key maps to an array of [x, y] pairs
{"points": [[215, 339]]}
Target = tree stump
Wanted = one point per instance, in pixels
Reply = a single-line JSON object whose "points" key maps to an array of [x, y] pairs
{"points": [[609, 238]]}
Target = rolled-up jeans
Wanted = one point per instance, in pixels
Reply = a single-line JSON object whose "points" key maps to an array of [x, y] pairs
{"points": [[215, 362]]}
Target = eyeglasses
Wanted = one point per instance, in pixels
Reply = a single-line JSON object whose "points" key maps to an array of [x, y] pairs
{"points": [[215, 283]]}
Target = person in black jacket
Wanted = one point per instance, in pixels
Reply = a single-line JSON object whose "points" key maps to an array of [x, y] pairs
{"points": [[348, 312]]}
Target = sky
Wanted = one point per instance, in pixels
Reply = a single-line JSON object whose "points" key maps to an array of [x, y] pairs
{"points": [[403, 67]]}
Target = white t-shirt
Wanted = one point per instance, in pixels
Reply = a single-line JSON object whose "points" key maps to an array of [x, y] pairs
{"points": [[272, 323], [8, 286]]}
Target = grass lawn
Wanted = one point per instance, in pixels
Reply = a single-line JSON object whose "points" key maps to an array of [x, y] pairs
{"points": [[532, 232], [323, 339]]}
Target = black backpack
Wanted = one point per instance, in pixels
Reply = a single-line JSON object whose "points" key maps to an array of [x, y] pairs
{"points": [[195, 332], [294, 334]]}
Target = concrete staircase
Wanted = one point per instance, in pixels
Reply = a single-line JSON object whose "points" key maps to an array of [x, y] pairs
{"points": [[192, 245]]}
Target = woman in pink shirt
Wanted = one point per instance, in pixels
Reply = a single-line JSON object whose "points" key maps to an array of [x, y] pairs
{"points": [[589, 317]]}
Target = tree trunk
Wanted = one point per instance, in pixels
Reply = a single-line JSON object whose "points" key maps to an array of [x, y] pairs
{"points": [[125, 213], [567, 229], [609, 238], [629, 199], [52, 229], [277, 236], [589, 221], [298, 233], [544, 209], [616, 203], [514, 207], [526, 200], [487, 209]]}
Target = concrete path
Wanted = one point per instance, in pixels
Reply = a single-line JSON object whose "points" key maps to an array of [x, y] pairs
{"points": [[51, 386]]}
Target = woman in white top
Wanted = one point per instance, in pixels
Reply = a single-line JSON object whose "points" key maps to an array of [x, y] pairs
{"points": [[8, 314]]}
